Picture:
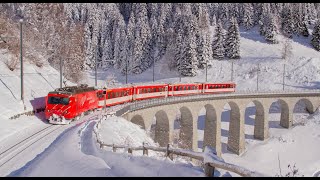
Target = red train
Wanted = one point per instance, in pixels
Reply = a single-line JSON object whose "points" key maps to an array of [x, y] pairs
{"points": [[69, 103]]}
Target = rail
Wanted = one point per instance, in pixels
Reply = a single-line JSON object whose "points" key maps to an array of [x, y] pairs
{"points": [[200, 97], [209, 157]]}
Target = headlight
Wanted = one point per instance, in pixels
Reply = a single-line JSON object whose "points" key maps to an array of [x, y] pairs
{"points": [[48, 110]]}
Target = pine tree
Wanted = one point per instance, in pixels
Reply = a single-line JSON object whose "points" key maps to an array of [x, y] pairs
{"points": [[287, 21], [271, 32], [218, 42], [131, 40], [233, 40], [247, 20], [304, 29], [223, 13], [315, 41], [142, 45], [119, 43], [205, 55]]}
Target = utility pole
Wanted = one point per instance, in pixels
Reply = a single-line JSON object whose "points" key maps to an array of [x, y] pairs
{"points": [[231, 70], [153, 71], [258, 77], [126, 71], [206, 71], [284, 73], [21, 63], [61, 72], [105, 101], [96, 66]]}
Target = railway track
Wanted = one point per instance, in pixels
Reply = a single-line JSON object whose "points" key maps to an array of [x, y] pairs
{"points": [[18, 154], [11, 152]]}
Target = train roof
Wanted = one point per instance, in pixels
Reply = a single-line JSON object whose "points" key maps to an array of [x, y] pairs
{"points": [[73, 89]]}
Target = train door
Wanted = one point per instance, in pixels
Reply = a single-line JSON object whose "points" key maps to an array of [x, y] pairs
{"points": [[166, 91], [135, 93]]}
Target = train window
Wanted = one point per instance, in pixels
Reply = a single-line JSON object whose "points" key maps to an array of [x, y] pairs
{"points": [[58, 100], [99, 95], [154, 89], [149, 90], [109, 95]]}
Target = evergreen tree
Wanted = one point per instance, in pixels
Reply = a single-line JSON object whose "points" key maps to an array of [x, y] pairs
{"points": [[287, 21], [304, 29], [223, 13], [218, 42], [233, 40], [247, 20], [271, 32], [131, 39], [119, 44], [315, 41], [205, 54]]}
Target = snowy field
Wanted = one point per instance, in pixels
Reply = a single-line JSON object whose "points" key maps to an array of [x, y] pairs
{"points": [[298, 145]]}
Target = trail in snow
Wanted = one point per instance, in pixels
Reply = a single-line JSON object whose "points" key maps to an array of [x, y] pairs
{"points": [[64, 157]]}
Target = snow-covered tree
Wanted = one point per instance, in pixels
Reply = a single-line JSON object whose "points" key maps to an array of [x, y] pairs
{"points": [[286, 52], [131, 39], [223, 13], [119, 48], [315, 41], [142, 44], [247, 20], [188, 57], [287, 21], [304, 29], [232, 46], [218, 42], [205, 54], [271, 32]]}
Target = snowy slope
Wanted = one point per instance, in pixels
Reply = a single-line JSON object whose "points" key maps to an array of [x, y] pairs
{"points": [[303, 71]]}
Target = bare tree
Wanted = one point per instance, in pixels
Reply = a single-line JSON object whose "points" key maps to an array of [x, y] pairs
{"points": [[286, 54], [73, 52], [9, 42]]}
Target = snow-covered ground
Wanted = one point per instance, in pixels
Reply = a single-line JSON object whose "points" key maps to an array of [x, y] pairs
{"points": [[297, 145]]}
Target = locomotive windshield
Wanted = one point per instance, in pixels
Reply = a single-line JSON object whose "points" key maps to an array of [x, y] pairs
{"points": [[58, 100]]}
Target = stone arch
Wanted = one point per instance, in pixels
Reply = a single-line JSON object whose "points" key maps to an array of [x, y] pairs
{"points": [[212, 128], [186, 131], [260, 121], [236, 130], [308, 105], [162, 128], [284, 117], [138, 120]]}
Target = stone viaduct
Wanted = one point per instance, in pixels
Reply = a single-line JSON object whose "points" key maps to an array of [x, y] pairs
{"points": [[165, 110]]}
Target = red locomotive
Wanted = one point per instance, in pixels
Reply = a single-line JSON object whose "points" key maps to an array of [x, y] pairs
{"points": [[69, 103]]}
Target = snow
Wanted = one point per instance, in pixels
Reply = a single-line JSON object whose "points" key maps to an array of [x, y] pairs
{"points": [[64, 156]]}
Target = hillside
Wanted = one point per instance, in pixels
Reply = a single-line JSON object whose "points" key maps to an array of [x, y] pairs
{"points": [[302, 74]]}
